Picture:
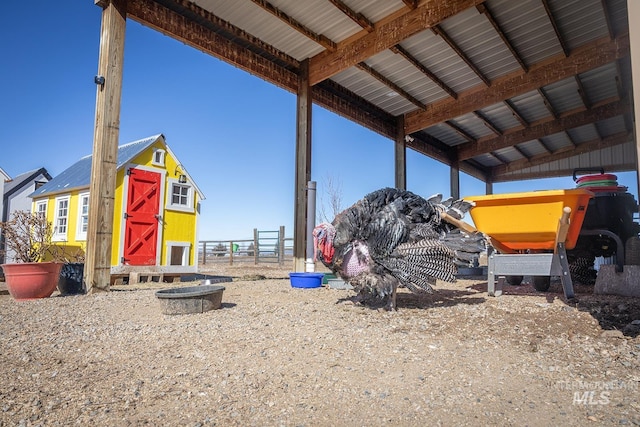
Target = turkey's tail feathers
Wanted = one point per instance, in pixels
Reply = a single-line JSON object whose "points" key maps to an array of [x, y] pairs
{"points": [[419, 263], [466, 246]]}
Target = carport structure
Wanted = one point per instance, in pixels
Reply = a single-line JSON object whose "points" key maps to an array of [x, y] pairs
{"points": [[502, 90]]}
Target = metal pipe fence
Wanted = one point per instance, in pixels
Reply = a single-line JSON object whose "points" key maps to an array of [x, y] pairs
{"points": [[265, 247]]}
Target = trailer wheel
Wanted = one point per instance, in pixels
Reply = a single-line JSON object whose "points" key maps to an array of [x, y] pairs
{"points": [[514, 280], [542, 283]]}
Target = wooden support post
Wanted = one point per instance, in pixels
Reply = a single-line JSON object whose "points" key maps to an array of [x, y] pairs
{"points": [[231, 252], [303, 167], [401, 156], [105, 146]]}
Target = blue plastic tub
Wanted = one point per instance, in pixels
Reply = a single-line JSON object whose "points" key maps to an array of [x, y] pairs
{"points": [[306, 280]]}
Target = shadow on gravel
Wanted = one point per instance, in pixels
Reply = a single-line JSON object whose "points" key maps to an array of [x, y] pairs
{"points": [[611, 311], [440, 298]]}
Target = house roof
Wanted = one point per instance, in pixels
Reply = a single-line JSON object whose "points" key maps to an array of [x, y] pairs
{"points": [[505, 90], [78, 175], [23, 179]]}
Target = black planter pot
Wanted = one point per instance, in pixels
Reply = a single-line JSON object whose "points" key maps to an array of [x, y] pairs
{"points": [[70, 282]]}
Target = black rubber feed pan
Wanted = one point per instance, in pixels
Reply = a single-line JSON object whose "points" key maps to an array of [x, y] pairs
{"points": [[192, 299]]}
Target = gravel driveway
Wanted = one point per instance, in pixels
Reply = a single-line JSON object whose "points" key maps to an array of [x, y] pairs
{"points": [[274, 355]]}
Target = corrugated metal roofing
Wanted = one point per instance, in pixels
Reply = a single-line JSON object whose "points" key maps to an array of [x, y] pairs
{"points": [[523, 25], [78, 175]]}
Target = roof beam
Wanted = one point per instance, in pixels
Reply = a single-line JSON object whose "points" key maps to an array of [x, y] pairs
{"points": [[406, 55], [544, 128], [203, 37], [358, 18], [515, 113], [201, 34], [584, 58], [463, 133], [438, 31], [492, 127], [483, 9], [547, 9], [429, 13], [318, 38], [382, 79], [547, 103], [345, 103], [563, 153]]}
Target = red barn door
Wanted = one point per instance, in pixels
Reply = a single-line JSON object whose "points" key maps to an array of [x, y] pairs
{"points": [[141, 218]]}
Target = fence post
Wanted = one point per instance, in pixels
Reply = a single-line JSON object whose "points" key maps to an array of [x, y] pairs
{"points": [[281, 246], [255, 246], [230, 252], [204, 253]]}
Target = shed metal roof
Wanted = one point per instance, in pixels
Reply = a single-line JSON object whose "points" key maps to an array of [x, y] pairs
{"points": [[509, 90], [78, 175]]}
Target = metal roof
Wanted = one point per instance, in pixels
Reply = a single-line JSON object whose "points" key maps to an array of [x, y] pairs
{"points": [[506, 89], [78, 175]]}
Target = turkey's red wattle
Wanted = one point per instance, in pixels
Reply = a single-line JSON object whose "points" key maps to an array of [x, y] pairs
{"points": [[327, 252]]}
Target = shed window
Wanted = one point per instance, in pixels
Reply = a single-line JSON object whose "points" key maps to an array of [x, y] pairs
{"points": [[83, 216], [158, 157], [180, 196]]}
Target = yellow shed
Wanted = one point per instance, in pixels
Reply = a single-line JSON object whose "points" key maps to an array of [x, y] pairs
{"points": [[156, 210]]}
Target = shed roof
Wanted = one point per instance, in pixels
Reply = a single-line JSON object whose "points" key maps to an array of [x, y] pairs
{"points": [[78, 175], [507, 90]]}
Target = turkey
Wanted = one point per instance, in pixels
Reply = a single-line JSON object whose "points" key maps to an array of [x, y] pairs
{"points": [[394, 238]]}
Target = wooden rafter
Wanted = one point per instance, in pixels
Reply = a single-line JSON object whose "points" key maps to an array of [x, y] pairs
{"points": [[463, 133], [583, 93], [564, 153], [559, 36], [544, 145], [281, 72], [382, 79], [358, 18], [521, 152], [386, 35], [582, 59], [318, 38], [424, 70], [498, 157], [607, 18], [492, 127], [547, 102], [544, 128], [343, 102], [411, 4], [205, 38], [437, 30], [483, 9], [515, 113]]}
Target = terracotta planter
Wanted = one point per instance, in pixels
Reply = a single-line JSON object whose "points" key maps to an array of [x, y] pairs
{"points": [[31, 280]]}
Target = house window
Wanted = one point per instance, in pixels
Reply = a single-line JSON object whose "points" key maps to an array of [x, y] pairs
{"points": [[180, 196], [41, 208], [61, 219], [83, 216], [158, 157]]}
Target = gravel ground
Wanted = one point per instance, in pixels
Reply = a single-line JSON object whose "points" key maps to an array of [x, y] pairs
{"points": [[275, 355]]}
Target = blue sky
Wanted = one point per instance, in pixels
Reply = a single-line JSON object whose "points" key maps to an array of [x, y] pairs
{"points": [[234, 132]]}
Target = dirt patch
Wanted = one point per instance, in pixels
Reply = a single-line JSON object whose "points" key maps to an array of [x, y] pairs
{"points": [[277, 355]]}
